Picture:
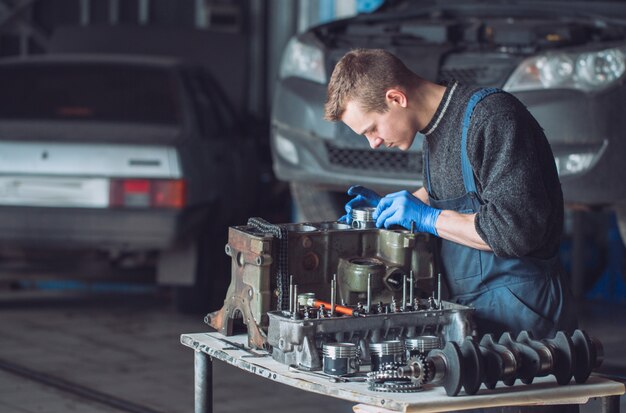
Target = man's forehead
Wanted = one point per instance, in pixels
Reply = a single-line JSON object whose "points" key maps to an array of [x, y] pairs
{"points": [[355, 117]]}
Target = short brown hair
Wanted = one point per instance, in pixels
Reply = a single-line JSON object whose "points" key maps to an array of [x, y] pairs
{"points": [[365, 75]]}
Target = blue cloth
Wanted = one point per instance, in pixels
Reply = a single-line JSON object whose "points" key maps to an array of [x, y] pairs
{"points": [[509, 294]]}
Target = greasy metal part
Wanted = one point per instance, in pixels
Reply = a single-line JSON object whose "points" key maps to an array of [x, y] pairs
{"points": [[468, 363], [296, 309], [299, 342], [451, 375], [404, 292], [291, 295], [369, 293], [391, 351], [507, 362], [439, 290], [233, 345], [390, 379], [473, 366], [313, 252], [528, 360], [416, 369], [422, 345], [306, 299], [586, 355], [333, 379], [340, 359], [563, 351], [411, 287], [362, 217], [353, 273], [333, 295], [546, 358]]}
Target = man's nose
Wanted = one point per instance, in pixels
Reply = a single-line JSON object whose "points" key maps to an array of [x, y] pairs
{"points": [[374, 142]]}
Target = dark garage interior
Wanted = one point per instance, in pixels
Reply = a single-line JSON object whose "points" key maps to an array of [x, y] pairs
{"points": [[173, 191]]}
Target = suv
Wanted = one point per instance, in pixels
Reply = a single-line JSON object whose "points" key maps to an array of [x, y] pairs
{"points": [[564, 61], [135, 156]]}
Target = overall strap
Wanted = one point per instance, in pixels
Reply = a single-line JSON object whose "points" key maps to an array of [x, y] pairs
{"points": [[427, 166], [466, 167]]}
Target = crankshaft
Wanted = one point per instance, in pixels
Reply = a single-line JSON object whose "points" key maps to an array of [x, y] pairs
{"points": [[472, 362]]}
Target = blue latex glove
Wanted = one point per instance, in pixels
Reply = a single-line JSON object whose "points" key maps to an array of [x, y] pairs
{"points": [[363, 197], [402, 208]]}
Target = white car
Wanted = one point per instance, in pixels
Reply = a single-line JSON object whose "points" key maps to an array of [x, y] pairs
{"points": [[129, 155]]}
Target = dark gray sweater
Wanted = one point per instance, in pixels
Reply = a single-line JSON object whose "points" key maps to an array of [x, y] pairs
{"points": [[522, 203]]}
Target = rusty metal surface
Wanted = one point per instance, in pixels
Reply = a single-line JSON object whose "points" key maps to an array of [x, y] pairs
{"points": [[315, 251], [296, 341], [433, 399]]}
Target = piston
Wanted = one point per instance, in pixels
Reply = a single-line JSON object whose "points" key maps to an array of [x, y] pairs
{"points": [[421, 345], [362, 218], [391, 351], [340, 359]]}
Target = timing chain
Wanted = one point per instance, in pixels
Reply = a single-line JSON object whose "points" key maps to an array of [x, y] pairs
{"points": [[282, 277]]}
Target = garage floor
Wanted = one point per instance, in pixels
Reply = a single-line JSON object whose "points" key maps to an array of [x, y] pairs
{"points": [[127, 347]]}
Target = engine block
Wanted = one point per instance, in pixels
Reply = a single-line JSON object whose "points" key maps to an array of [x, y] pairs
{"points": [[267, 258]]}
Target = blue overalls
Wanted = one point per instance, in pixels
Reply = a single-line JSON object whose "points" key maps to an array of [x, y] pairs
{"points": [[509, 294]]}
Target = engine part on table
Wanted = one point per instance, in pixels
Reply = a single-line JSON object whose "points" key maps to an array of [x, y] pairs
{"points": [[387, 379], [391, 351], [340, 359], [313, 254], [469, 363], [421, 345], [363, 217], [298, 341]]}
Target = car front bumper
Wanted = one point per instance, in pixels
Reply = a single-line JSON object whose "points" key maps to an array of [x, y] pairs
{"points": [[575, 122]]}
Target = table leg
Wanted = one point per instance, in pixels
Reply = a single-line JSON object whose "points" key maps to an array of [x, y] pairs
{"points": [[610, 404], [203, 381]]}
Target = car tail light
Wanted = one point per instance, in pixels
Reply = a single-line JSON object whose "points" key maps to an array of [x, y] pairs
{"points": [[147, 193]]}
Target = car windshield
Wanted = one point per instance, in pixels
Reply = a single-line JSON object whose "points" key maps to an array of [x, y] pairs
{"points": [[88, 92]]}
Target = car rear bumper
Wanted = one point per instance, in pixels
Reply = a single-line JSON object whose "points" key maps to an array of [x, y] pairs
{"points": [[129, 230]]}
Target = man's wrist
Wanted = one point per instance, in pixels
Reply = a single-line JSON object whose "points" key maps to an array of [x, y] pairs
{"points": [[430, 221]]}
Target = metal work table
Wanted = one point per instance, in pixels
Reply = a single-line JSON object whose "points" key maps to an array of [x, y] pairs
{"points": [[233, 350]]}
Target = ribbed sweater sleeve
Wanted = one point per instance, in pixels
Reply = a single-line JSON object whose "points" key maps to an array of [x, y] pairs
{"points": [[521, 212]]}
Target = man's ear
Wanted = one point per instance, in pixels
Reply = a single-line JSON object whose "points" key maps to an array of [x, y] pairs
{"points": [[396, 97]]}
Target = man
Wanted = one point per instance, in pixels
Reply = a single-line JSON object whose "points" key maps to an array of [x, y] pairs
{"points": [[491, 191]]}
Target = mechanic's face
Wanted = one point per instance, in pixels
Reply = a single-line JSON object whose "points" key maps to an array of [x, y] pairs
{"points": [[392, 128]]}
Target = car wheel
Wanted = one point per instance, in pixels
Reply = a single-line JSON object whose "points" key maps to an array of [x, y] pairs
{"points": [[620, 212], [211, 280], [315, 204]]}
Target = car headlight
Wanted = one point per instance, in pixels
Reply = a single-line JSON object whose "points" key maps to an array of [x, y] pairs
{"points": [[304, 61], [589, 71]]}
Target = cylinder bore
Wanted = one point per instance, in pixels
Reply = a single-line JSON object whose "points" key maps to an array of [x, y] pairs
{"points": [[299, 228], [352, 274], [332, 226]]}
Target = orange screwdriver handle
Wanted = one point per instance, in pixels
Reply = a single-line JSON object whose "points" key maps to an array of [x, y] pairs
{"points": [[338, 308]]}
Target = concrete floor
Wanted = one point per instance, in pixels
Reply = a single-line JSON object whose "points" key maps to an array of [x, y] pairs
{"points": [[128, 347]]}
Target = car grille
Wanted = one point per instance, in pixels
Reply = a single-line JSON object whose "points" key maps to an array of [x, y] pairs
{"points": [[471, 70], [367, 159]]}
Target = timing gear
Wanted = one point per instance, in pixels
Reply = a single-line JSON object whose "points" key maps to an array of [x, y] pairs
{"points": [[395, 386], [417, 370]]}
